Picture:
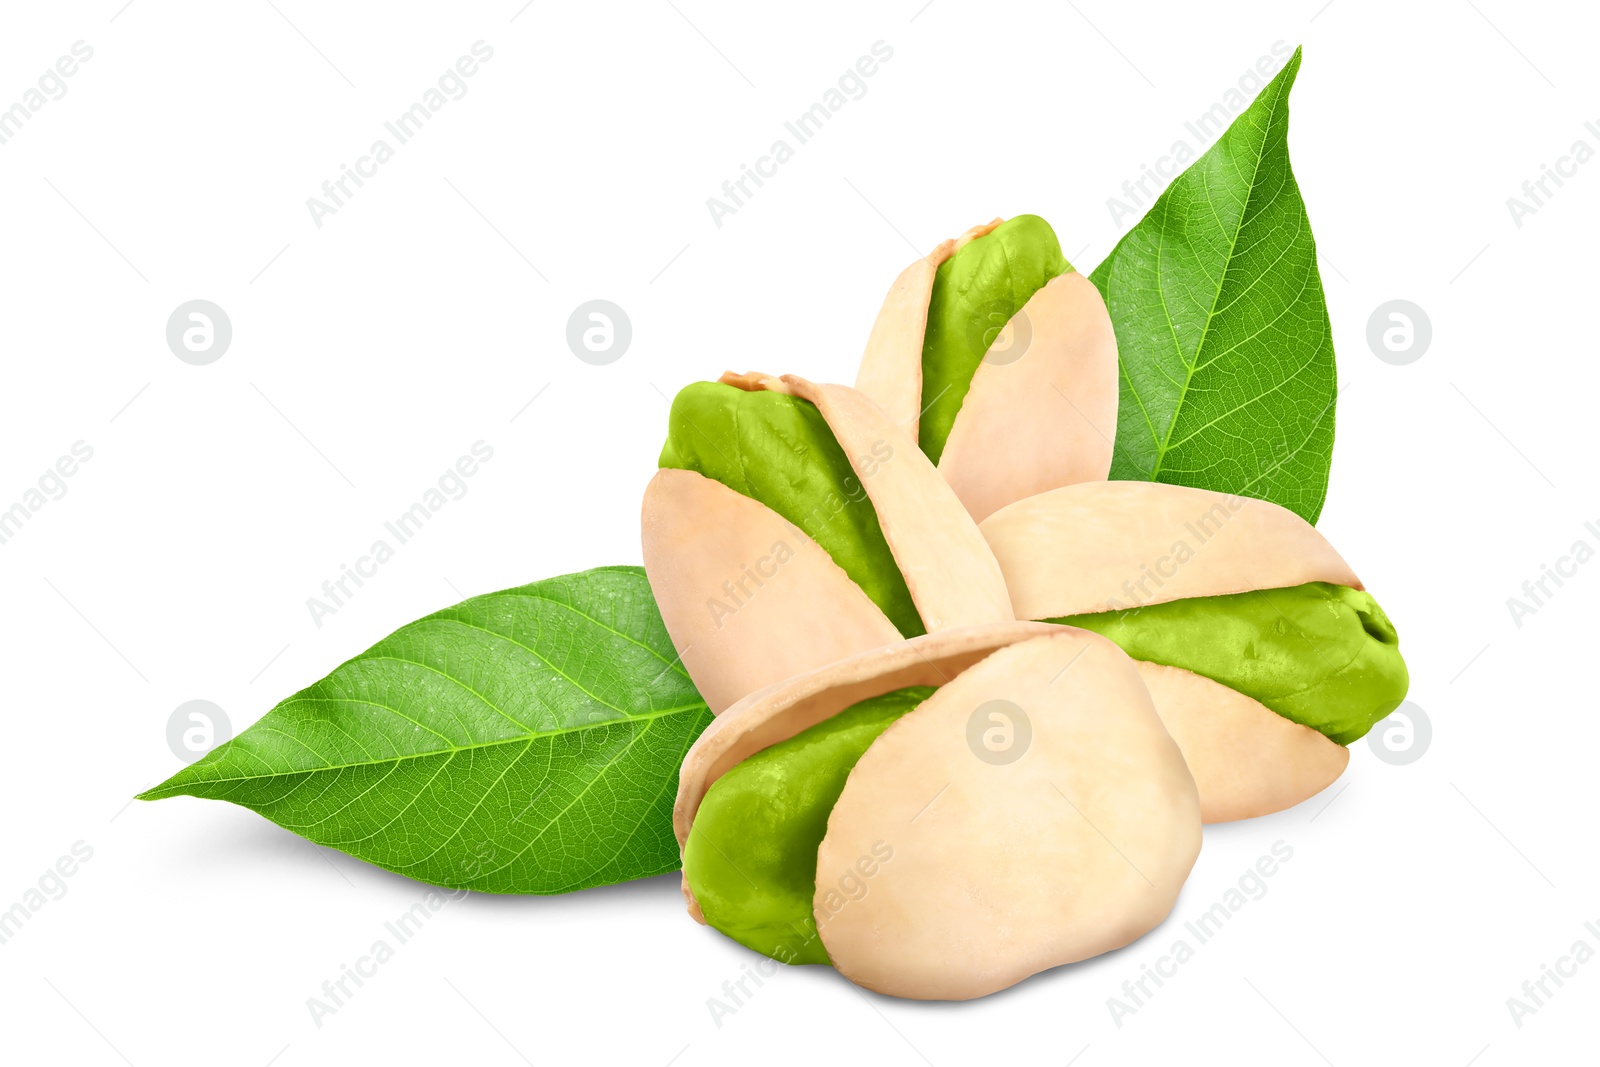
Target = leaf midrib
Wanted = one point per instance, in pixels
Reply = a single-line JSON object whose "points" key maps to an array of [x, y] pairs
{"points": [[444, 751], [1164, 445]]}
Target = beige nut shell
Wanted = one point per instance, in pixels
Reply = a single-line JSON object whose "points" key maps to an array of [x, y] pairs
{"points": [[1247, 760], [891, 366], [1102, 546], [787, 617], [1046, 418], [998, 872], [1028, 424]]}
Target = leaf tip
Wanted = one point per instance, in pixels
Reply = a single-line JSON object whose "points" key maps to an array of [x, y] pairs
{"points": [[1292, 67], [173, 786]]}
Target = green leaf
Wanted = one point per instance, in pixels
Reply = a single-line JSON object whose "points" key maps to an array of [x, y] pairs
{"points": [[1227, 377], [526, 741]]}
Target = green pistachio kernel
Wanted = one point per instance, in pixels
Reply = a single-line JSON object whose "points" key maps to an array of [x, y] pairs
{"points": [[1322, 655], [975, 293], [751, 857]]}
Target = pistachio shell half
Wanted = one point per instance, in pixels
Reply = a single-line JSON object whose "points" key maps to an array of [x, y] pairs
{"points": [[1100, 546], [699, 536], [891, 366], [1247, 760], [1045, 418], [999, 872], [947, 875]]}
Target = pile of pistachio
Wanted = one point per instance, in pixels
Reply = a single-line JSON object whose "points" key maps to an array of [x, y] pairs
{"points": [[973, 700]]}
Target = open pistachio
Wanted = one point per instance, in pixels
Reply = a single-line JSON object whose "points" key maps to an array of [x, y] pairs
{"points": [[1001, 361], [942, 818], [794, 524], [1264, 653]]}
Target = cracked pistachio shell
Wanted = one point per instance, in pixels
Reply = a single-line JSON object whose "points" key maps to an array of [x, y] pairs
{"points": [[795, 608], [995, 871], [1087, 548], [1032, 421]]}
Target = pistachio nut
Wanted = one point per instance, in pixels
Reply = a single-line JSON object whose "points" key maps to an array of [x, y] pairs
{"points": [[942, 818], [1263, 652], [792, 525], [991, 340]]}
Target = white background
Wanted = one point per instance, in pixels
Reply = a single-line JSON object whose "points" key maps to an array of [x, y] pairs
{"points": [[375, 350]]}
